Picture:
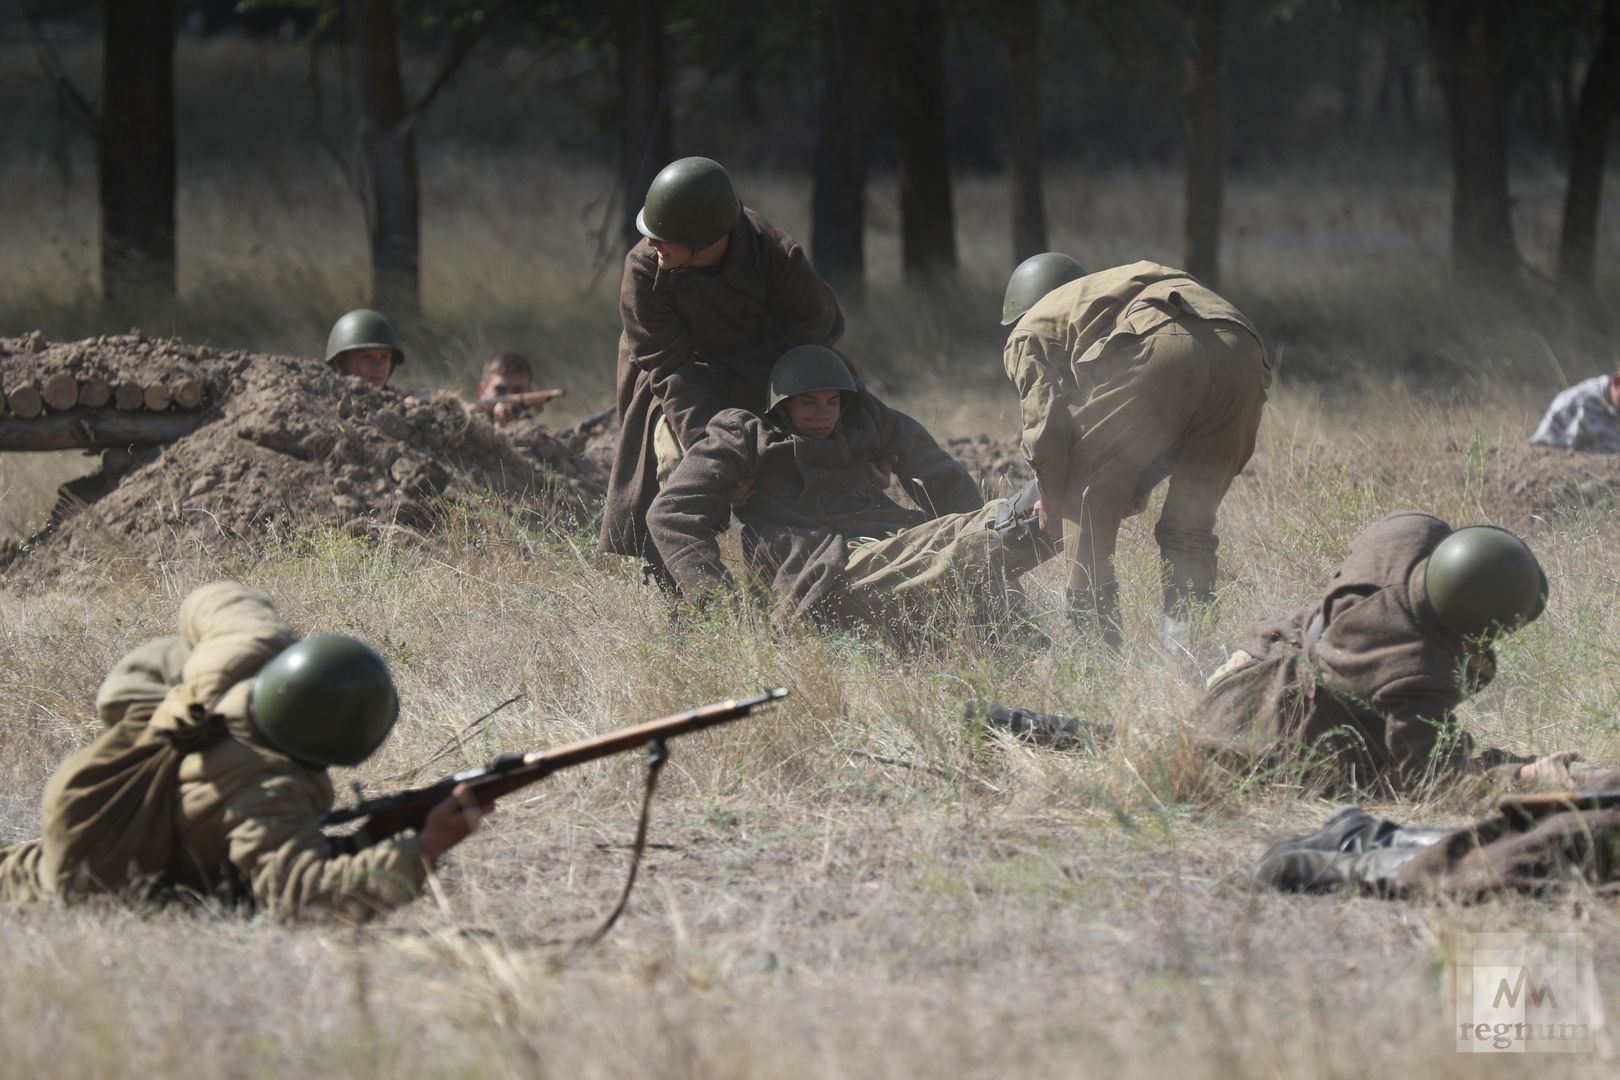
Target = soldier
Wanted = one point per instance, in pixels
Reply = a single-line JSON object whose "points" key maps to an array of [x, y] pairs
{"points": [[710, 299], [1584, 417], [506, 373], [363, 344], [254, 717], [831, 544], [1524, 848], [1360, 686], [1125, 377]]}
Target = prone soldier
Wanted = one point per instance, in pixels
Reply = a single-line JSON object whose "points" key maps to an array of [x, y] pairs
{"points": [[505, 374], [710, 299], [211, 776], [1126, 377], [1362, 683]]}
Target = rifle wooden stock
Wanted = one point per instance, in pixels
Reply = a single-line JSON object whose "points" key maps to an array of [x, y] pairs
{"points": [[533, 399], [389, 814]]}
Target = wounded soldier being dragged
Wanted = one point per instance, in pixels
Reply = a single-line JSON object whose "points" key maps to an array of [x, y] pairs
{"points": [[211, 776], [1358, 688], [807, 478]]}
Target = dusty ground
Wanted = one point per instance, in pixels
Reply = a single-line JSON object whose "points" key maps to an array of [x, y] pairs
{"points": [[859, 883]]}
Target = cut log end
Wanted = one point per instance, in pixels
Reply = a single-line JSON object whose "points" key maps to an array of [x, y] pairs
{"points": [[61, 392], [25, 401], [127, 397], [95, 393], [156, 397], [188, 393]]}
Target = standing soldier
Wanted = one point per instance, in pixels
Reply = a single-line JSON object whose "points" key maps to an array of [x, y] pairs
{"points": [[710, 299], [1125, 377], [363, 344]]}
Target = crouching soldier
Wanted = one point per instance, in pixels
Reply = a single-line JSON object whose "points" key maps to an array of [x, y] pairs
{"points": [[816, 525], [1360, 686], [211, 776], [1530, 845], [1126, 377]]}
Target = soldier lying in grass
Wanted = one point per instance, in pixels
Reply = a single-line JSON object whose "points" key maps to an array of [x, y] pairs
{"points": [[817, 526], [211, 777], [1360, 686]]}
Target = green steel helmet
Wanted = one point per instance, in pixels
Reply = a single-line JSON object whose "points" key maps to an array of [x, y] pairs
{"points": [[325, 700], [1485, 580], [691, 203], [362, 328], [807, 368], [1034, 278]]}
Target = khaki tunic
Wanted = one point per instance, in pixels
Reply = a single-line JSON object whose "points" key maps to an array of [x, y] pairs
{"points": [[1127, 376], [1362, 683], [245, 820], [815, 509], [699, 341]]}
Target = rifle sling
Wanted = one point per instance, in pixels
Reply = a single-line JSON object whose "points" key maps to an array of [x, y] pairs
{"points": [[657, 754]]}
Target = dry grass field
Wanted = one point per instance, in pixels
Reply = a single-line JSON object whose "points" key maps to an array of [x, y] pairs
{"points": [[859, 883]]}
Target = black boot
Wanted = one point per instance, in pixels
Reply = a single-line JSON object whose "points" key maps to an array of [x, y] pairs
{"points": [[1043, 729], [1097, 611]]}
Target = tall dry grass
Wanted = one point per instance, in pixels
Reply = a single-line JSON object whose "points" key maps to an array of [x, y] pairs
{"points": [[860, 883]]}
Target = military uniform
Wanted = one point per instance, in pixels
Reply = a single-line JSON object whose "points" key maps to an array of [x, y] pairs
{"points": [[1363, 681], [244, 816], [1507, 851], [828, 542], [1127, 376], [697, 341]]}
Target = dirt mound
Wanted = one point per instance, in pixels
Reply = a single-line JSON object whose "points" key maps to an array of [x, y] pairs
{"points": [[284, 444], [1532, 483]]}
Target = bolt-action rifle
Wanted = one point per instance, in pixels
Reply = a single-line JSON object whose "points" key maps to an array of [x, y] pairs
{"points": [[388, 814], [532, 399]]}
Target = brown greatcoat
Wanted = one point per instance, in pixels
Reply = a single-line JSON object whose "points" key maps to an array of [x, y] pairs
{"points": [[242, 818], [700, 340], [1127, 376], [812, 499], [1363, 681]]}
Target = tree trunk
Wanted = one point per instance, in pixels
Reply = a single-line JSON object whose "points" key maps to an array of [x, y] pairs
{"points": [[843, 146], [135, 163], [1204, 114], [646, 140], [916, 49], [1024, 129], [388, 148], [1593, 112], [1466, 37]]}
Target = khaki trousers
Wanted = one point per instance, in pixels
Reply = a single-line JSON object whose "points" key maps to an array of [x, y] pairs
{"points": [[957, 554], [1182, 400]]}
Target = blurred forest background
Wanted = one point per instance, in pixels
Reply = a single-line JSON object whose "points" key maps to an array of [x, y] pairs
{"points": [[1409, 189]]}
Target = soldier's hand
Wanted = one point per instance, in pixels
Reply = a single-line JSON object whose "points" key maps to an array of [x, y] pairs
{"points": [[1049, 516], [451, 822], [743, 492], [506, 412], [881, 472], [1550, 770]]}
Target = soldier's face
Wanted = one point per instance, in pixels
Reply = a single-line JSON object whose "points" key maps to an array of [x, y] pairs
{"points": [[671, 256], [814, 415], [1614, 391], [495, 386], [372, 365]]}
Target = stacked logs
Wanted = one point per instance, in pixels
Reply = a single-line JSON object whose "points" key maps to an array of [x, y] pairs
{"points": [[62, 392]]}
